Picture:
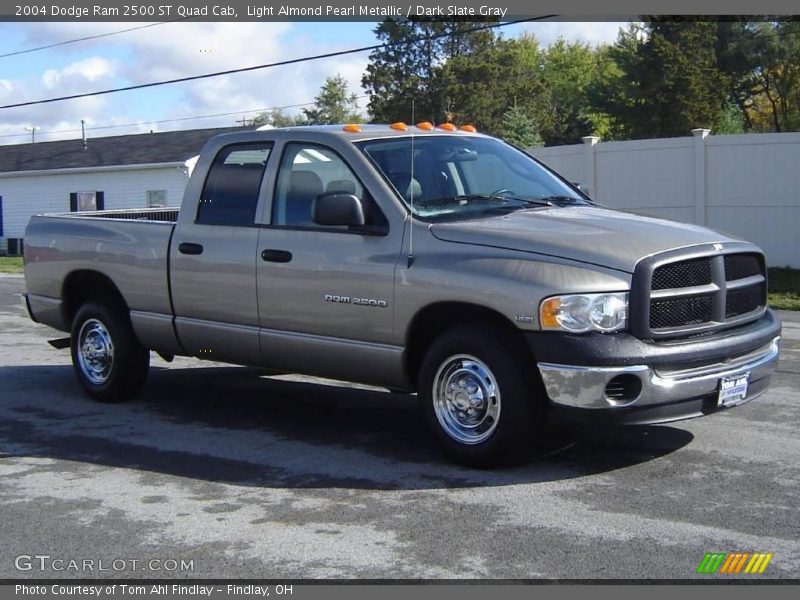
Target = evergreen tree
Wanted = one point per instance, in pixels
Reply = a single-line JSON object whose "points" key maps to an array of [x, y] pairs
{"points": [[670, 82], [519, 128], [409, 70], [334, 104]]}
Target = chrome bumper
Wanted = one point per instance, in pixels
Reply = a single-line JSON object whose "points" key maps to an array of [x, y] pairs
{"points": [[585, 387]]}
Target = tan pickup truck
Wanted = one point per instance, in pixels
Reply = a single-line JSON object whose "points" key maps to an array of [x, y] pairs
{"points": [[428, 260]]}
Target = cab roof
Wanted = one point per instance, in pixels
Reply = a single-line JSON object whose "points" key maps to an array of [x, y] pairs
{"points": [[371, 131]]}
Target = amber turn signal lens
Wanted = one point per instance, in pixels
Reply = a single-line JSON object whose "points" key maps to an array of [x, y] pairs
{"points": [[548, 313], [352, 128]]}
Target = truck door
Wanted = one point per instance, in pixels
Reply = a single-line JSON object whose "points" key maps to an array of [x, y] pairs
{"points": [[213, 259], [325, 293]]}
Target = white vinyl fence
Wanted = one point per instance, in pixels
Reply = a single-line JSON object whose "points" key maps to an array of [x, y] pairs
{"points": [[746, 185]]}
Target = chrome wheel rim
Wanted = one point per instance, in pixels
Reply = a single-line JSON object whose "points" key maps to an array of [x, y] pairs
{"points": [[95, 351], [466, 399]]}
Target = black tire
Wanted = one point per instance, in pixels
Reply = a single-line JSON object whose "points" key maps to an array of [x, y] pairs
{"points": [[106, 326], [459, 359]]}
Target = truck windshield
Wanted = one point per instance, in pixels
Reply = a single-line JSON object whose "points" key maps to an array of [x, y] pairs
{"points": [[455, 176]]}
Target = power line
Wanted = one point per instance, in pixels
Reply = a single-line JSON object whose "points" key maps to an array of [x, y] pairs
{"points": [[179, 119], [282, 63], [86, 38]]}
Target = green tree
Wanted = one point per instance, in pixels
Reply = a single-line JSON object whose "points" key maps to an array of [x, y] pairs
{"points": [[732, 120], [569, 72], [519, 128], [669, 80], [479, 88], [275, 117], [334, 104], [405, 77]]}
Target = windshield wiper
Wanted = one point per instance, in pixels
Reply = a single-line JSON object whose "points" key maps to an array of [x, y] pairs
{"points": [[467, 197], [562, 200]]}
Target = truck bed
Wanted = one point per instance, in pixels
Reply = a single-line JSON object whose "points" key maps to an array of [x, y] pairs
{"points": [[129, 247]]}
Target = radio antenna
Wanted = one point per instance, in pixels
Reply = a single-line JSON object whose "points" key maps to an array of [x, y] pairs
{"points": [[411, 188]]}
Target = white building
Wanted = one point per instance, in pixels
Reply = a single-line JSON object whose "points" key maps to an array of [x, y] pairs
{"points": [[128, 171]]}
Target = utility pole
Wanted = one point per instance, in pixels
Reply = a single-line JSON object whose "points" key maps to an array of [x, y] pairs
{"points": [[242, 121], [33, 133]]}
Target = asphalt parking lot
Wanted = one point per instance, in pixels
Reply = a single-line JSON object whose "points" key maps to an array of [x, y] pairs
{"points": [[291, 477]]}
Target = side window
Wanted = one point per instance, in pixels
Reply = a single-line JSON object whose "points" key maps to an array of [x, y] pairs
{"points": [[230, 194], [307, 171]]}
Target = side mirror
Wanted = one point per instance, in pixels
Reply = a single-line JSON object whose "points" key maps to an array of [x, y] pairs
{"points": [[338, 208]]}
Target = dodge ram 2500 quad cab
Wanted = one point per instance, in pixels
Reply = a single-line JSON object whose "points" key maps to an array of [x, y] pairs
{"points": [[426, 259]]}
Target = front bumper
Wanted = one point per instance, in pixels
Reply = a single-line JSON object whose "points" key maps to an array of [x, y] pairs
{"points": [[669, 381]]}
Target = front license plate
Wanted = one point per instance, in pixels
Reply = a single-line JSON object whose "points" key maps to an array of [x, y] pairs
{"points": [[733, 390]]}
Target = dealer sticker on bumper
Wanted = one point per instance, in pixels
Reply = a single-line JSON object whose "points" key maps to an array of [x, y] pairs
{"points": [[733, 390]]}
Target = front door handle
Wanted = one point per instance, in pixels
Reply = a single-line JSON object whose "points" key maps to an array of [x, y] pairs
{"points": [[279, 256], [189, 248]]}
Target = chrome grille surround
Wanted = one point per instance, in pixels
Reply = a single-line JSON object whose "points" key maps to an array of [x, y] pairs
{"points": [[734, 295]]}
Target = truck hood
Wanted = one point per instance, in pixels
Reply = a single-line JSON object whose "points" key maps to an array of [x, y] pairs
{"points": [[598, 236]]}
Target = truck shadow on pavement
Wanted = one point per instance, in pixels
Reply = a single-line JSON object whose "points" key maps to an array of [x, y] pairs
{"points": [[233, 425]]}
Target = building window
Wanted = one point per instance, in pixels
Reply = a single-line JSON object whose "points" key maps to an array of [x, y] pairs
{"points": [[156, 198], [86, 201]]}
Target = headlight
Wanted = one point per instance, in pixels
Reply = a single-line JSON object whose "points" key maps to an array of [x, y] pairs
{"points": [[579, 313]]}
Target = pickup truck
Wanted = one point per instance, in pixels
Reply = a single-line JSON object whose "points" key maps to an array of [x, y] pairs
{"points": [[424, 259]]}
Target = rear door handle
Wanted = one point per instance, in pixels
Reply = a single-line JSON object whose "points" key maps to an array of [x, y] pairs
{"points": [[189, 248], [279, 256]]}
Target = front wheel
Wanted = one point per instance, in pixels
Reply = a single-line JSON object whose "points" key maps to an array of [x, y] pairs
{"points": [[108, 360], [480, 396]]}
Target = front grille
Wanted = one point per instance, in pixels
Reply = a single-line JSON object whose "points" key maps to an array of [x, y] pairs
{"points": [[744, 300], [739, 266], [682, 274], [677, 298], [679, 312]]}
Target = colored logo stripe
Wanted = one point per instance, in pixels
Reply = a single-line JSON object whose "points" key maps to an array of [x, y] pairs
{"points": [[758, 563], [711, 562], [732, 563]]}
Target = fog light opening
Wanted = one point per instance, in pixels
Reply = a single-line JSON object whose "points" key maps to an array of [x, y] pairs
{"points": [[623, 389]]}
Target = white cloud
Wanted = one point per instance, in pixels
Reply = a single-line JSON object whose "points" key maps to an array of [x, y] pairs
{"points": [[90, 69], [168, 51]]}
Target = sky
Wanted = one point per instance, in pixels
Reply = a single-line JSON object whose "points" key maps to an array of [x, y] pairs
{"points": [[172, 50]]}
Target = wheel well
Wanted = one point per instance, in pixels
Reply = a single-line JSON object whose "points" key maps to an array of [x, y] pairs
{"points": [[433, 320], [81, 286]]}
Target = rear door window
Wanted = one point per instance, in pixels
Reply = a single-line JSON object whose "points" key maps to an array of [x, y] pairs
{"points": [[230, 193]]}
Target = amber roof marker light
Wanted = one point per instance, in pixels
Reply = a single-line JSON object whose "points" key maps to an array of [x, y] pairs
{"points": [[447, 127], [399, 126], [425, 126], [352, 128], [468, 128]]}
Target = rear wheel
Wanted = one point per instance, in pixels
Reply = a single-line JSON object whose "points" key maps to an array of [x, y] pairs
{"points": [[108, 360], [481, 396]]}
